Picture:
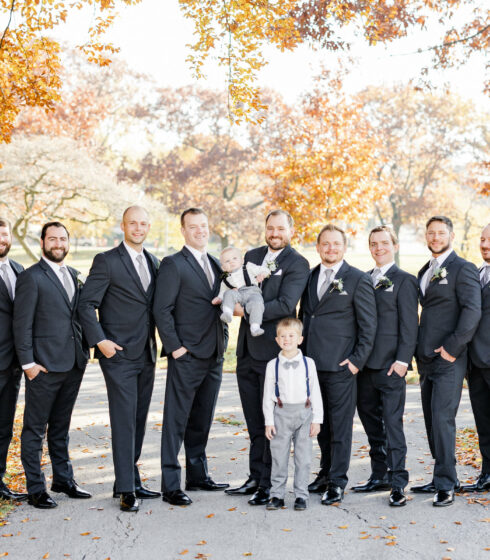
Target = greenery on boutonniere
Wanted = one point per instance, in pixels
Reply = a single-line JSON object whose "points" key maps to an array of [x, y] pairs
{"points": [[81, 279], [337, 285], [383, 282], [439, 274]]}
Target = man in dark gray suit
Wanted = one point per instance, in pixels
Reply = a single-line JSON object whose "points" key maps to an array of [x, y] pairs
{"points": [[381, 386], [450, 296], [281, 293], [120, 286], [52, 353], [10, 371], [338, 310], [193, 340], [479, 370]]}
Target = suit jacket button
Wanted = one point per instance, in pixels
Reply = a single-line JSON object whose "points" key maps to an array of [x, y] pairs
{"points": [[312, 316]]}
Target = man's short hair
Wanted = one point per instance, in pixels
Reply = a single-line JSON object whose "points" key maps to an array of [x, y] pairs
{"points": [[53, 224], [194, 211], [443, 219], [280, 212], [332, 227], [5, 223], [388, 230], [290, 322]]}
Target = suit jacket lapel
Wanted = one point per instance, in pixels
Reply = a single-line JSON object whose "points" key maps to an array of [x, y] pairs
{"points": [[196, 266], [313, 287], [128, 263], [217, 272], [153, 273], [3, 287], [56, 281], [16, 267], [74, 275]]}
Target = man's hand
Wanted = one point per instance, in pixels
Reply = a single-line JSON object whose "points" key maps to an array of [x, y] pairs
{"points": [[314, 429], [179, 352], [270, 432], [216, 301], [238, 311], [261, 277], [352, 368], [445, 355], [34, 371], [108, 348], [399, 369]]}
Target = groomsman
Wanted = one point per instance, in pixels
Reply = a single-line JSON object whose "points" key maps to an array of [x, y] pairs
{"points": [[50, 348], [194, 341], [10, 371], [338, 310], [479, 371], [450, 295], [381, 386], [281, 293], [120, 286]]}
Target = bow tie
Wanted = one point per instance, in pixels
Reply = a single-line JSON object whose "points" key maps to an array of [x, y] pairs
{"points": [[292, 364]]}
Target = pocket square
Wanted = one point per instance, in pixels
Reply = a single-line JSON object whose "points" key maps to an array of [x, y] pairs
{"points": [[344, 293], [278, 272], [443, 281], [390, 289]]}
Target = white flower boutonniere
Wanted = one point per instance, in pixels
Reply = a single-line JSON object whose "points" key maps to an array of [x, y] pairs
{"points": [[383, 282], [337, 285], [81, 279], [439, 274], [272, 265]]}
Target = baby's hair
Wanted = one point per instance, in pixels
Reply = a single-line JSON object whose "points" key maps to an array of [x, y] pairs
{"points": [[290, 322], [228, 249]]}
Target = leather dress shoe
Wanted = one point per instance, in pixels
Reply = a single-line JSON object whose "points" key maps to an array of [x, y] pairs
{"points": [[373, 485], [128, 502], [274, 503], [333, 495], [176, 498], [41, 500], [397, 497], [207, 484], [7, 494], [71, 489], [247, 488], [319, 485], [300, 504], [482, 484], [142, 493], [443, 498], [428, 488], [261, 497]]}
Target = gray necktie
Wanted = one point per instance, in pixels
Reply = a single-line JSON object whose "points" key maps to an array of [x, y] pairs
{"points": [[485, 276], [142, 273], [207, 271], [430, 273], [375, 275], [326, 283], [67, 283], [6, 279]]}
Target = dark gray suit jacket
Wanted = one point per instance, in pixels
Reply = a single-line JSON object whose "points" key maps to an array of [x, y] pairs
{"points": [[46, 328], [479, 347], [281, 293], [183, 311], [114, 288], [398, 320], [451, 309], [339, 326], [7, 348]]}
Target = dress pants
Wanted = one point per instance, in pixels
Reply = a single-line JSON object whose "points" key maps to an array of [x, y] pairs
{"points": [[9, 391], [190, 398], [250, 379], [339, 392], [441, 383], [129, 388], [49, 402], [479, 387], [380, 404]]}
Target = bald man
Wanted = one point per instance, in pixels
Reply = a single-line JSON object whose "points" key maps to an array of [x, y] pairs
{"points": [[120, 286]]}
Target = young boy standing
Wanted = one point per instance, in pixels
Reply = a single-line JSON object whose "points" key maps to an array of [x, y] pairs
{"points": [[293, 410]]}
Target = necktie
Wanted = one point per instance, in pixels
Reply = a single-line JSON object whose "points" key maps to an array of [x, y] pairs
{"points": [[484, 279], [6, 279], [142, 273], [375, 275], [67, 283], [207, 272], [430, 273], [292, 364], [326, 283]]}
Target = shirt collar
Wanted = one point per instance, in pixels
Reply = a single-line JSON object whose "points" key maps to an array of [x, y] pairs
{"points": [[272, 255], [441, 258], [335, 267], [6, 261], [54, 266], [282, 359], [196, 253], [384, 269], [132, 252]]}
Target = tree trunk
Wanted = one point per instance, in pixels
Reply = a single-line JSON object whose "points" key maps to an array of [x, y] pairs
{"points": [[21, 239]]}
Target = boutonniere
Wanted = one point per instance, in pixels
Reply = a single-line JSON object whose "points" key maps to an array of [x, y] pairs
{"points": [[337, 285], [439, 274], [81, 279], [383, 282], [272, 265]]}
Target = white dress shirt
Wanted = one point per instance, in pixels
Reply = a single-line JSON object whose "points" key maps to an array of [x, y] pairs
{"points": [[198, 256], [134, 254], [440, 261], [292, 387], [323, 269], [10, 273], [271, 256]]}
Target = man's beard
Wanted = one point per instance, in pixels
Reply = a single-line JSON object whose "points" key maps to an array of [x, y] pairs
{"points": [[4, 251], [53, 258], [283, 243], [443, 250]]}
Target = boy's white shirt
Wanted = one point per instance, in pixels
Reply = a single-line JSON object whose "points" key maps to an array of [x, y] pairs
{"points": [[237, 278], [292, 387]]}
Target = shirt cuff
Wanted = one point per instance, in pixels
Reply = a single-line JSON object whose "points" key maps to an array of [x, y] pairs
{"points": [[402, 363], [28, 366]]}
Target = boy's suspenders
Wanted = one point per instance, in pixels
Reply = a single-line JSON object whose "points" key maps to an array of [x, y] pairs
{"points": [[279, 402]]}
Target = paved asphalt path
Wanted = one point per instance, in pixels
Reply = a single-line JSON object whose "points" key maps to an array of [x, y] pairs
{"points": [[220, 527]]}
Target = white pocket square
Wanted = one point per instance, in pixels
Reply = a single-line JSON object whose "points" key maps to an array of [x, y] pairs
{"points": [[390, 289], [279, 272], [344, 293], [443, 281]]}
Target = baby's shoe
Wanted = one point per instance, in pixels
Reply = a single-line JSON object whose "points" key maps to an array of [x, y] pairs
{"points": [[255, 330], [226, 316]]}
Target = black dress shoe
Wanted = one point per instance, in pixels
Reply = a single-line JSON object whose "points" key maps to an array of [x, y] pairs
{"points": [[397, 497], [373, 485], [333, 495], [176, 498], [428, 488], [7, 494], [261, 497], [443, 498], [247, 488], [207, 484], [482, 484], [300, 504], [71, 489], [319, 485], [142, 493], [128, 502], [41, 500], [274, 503]]}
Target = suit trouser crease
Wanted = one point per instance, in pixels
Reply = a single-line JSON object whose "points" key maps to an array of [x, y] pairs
{"points": [[250, 298], [479, 389], [292, 423], [9, 392]]}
